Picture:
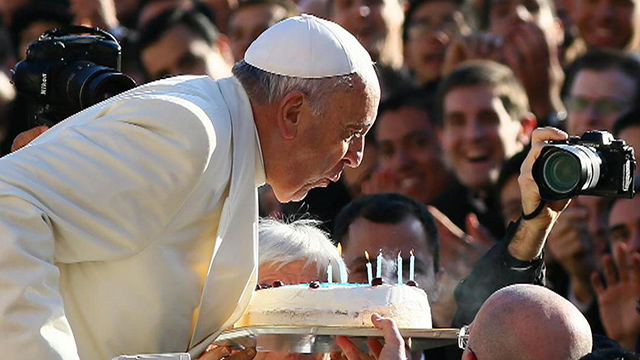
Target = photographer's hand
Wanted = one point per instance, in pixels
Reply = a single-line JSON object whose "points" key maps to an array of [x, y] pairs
{"points": [[28, 136], [530, 238]]}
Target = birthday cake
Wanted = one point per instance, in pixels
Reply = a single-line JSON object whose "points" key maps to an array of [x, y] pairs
{"points": [[345, 305]]}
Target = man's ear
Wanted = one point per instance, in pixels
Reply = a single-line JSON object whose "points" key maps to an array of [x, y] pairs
{"points": [[289, 114], [528, 123]]}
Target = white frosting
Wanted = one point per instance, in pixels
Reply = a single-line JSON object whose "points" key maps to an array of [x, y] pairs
{"points": [[338, 305]]}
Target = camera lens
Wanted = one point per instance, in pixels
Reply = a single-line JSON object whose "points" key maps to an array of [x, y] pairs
{"points": [[561, 172], [86, 83]]}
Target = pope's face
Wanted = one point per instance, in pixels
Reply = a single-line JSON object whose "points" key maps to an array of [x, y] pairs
{"points": [[327, 143]]}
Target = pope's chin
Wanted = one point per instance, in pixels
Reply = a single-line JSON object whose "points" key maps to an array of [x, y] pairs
{"points": [[299, 193]]}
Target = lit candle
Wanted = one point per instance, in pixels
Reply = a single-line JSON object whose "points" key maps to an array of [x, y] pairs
{"points": [[379, 264], [330, 273], [369, 271], [412, 264], [341, 268], [400, 268]]}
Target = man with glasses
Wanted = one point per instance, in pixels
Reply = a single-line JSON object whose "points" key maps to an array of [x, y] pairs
{"points": [[526, 321], [600, 87]]}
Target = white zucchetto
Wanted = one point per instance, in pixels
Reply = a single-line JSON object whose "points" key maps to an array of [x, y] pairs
{"points": [[308, 47]]}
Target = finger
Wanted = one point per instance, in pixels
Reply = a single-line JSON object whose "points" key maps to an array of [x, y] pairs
{"points": [[390, 331], [25, 137], [245, 354], [609, 270], [477, 233], [444, 224], [597, 284], [214, 352], [620, 258], [348, 348], [634, 275]]}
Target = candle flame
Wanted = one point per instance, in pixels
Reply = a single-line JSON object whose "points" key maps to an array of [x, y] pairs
{"points": [[366, 255], [411, 252], [339, 249], [400, 254]]}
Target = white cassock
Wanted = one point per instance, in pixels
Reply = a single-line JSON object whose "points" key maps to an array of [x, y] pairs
{"points": [[131, 227]]}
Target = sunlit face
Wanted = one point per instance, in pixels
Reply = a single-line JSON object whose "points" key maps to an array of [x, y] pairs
{"points": [[478, 134], [396, 238], [294, 272], [373, 22], [180, 51], [248, 22], [624, 222], [607, 23], [597, 98], [432, 27], [325, 144], [511, 200], [408, 146]]}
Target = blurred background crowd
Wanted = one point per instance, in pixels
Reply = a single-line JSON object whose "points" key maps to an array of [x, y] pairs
{"points": [[464, 83]]}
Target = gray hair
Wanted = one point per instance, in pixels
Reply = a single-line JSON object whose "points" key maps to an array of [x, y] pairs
{"points": [[265, 87], [282, 243]]}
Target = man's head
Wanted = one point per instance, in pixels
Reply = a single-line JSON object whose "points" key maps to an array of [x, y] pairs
{"points": [[183, 42], [294, 253], [601, 86], [429, 26], [251, 18], [608, 24], [31, 20], [376, 23], [623, 223], [406, 136], [528, 322], [314, 95], [394, 223], [485, 119]]}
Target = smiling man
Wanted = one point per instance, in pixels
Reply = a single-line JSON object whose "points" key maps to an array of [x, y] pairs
{"points": [[485, 120]]}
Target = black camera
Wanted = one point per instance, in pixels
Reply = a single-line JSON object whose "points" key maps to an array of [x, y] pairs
{"points": [[67, 70], [594, 164]]}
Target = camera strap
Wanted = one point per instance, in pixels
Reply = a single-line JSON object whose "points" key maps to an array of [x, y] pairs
{"points": [[535, 212]]}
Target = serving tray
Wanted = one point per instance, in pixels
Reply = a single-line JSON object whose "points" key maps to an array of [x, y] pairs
{"points": [[320, 339]]}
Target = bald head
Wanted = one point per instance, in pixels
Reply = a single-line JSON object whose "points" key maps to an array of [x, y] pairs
{"points": [[528, 322]]}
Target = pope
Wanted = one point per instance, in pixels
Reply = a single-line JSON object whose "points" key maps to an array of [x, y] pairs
{"points": [[131, 227]]}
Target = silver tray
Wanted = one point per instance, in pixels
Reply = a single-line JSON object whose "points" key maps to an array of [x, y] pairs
{"points": [[320, 339]]}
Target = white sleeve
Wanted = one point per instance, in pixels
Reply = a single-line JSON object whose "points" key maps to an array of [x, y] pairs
{"points": [[91, 189]]}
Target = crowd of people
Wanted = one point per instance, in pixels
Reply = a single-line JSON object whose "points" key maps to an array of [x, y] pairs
{"points": [[461, 87]]}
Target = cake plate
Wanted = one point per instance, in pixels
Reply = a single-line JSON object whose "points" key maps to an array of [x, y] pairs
{"points": [[320, 339]]}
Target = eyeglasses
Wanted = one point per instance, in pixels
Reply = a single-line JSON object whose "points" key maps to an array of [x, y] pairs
{"points": [[602, 106], [420, 28], [463, 337]]}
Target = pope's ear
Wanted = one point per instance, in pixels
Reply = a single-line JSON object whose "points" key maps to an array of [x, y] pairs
{"points": [[290, 111]]}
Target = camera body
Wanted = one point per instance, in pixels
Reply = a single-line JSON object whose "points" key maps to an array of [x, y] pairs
{"points": [[67, 70], [593, 164]]}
